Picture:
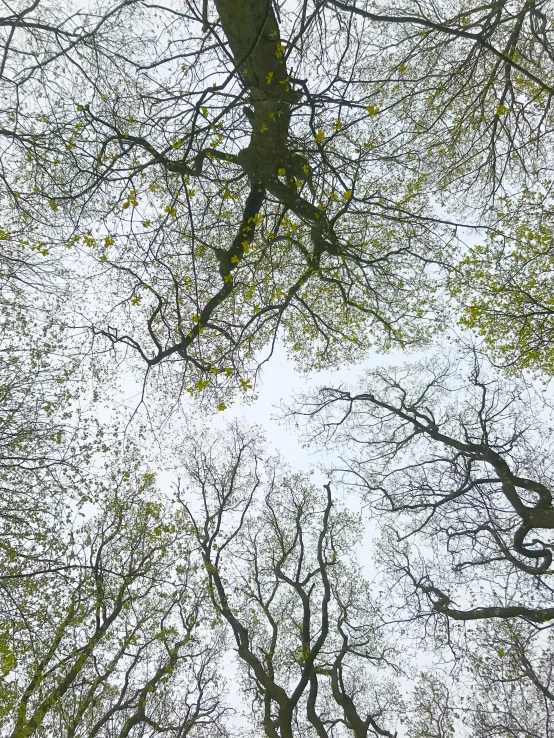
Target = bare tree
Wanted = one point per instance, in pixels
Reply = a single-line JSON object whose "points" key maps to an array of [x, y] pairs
{"points": [[279, 559], [455, 468], [466, 472]]}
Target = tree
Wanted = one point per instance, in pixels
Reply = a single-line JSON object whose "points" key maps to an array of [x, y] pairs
{"points": [[471, 89], [465, 470], [504, 285], [46, 437], [279, 555], [111, 637], [455, 468], [432, 707], [183, 186], [512, 676], [494, 681], [49, 426], [220, 195]]}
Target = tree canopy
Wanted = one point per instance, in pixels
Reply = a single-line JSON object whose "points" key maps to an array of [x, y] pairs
{"points": [[184, 187], [218, 193]]}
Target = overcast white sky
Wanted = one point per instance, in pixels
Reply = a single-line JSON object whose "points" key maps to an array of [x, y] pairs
{"points": [[280, 381]]}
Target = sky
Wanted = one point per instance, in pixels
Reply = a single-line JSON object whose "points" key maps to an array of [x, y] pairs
{"points": [[280, 381]]}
